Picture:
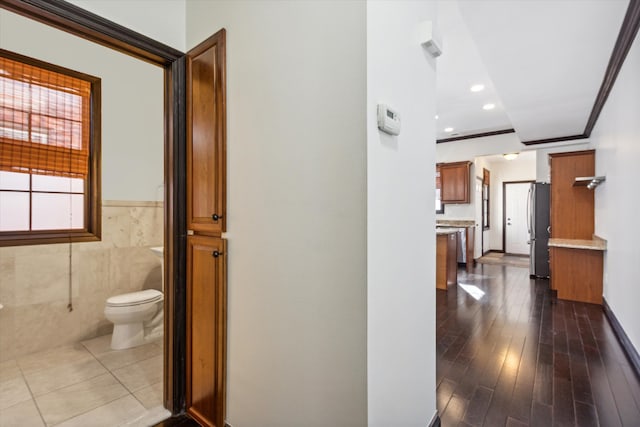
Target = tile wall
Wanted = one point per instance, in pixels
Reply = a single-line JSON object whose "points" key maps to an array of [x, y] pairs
{"points": [[34, 280]]}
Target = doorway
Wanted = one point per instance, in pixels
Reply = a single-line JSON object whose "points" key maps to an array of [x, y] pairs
{"points": [[515, 230]]}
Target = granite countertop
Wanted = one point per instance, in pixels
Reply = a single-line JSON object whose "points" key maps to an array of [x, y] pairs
{"points": [[446, 231], [595, 244], [455, 222]]}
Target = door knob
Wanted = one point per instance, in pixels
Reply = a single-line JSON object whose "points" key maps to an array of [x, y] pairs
{"points": [[216, 217], [216, 254]]}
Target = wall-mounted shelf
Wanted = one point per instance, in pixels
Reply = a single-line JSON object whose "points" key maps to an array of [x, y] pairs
{"points": [[590, 182]]}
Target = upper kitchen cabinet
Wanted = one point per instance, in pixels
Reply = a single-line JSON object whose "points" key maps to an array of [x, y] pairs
{"points": [[454, 180], [572, 208], [206, 137]]}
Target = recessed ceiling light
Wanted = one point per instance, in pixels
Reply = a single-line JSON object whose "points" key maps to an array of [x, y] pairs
{"points": [[488, 106], [436, 117], [477, 88], [448, 129]]}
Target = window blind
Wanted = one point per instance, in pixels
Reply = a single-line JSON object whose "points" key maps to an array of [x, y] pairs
{"points": [[44, 121]]}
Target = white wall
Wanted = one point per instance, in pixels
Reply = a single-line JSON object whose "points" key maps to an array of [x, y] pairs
{"points": [[616, 139], [162, 20], [400, 219], [296, 209], [132, 104]]}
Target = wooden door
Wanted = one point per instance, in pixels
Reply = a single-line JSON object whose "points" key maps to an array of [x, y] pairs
{"points": [[572, 208], [206, 329], [206, 136]]}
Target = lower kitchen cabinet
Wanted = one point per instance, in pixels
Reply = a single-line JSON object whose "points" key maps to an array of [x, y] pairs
{"points": [[206, 329], [576, 274], [446, 260]]}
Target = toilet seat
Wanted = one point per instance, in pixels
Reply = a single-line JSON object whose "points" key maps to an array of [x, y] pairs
{"points": [[135, 298]]}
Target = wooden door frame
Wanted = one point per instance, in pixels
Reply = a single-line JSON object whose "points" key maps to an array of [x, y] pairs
{"points": [[504, 210], [79, 22]]}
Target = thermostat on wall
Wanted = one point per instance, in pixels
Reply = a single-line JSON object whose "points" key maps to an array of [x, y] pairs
{"points": [[388, 120]]}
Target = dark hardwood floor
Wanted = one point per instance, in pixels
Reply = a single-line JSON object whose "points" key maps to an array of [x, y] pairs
{"points": [[518, 357]]}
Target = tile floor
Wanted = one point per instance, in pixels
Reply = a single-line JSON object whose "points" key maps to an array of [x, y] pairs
{"points": [[86, 384]]}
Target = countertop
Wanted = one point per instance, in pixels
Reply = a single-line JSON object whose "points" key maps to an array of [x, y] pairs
{"points": [[449, 231], [595, 244], [455, 223]]}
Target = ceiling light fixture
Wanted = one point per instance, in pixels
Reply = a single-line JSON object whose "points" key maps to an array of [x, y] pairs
{"points": [[448, 129], [436, 117], [510, 156], [488, 106], [477, 88]]}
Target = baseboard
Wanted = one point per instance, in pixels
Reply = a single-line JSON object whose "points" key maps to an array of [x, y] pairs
{"points": [[625, 342], [435, 421]]}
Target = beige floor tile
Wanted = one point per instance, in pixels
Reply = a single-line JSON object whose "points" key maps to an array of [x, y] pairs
{"points": [[46, 380], [9, 370], [98, 345], [24, 414], [151, 396], [114, 359], [53, 358], [141, 374], [71, 401], [13, 391], [112, 414]]}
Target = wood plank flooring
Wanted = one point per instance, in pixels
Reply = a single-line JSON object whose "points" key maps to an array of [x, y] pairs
{"points": [[518, 357]]}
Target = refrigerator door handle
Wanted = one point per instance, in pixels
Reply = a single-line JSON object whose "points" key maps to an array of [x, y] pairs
{"points": [[529, 210]]}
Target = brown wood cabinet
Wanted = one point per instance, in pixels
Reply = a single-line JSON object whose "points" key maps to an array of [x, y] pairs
{"points": [[577, 274], [446, 260], [572, 208], [206, 136], [206, 220], [455, 182], [206, 329]]}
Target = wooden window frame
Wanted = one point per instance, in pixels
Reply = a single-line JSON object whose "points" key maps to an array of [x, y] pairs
{"points": [[92, 230]]}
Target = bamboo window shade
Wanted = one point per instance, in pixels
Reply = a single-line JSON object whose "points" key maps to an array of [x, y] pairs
{"points": [[44, 121]]}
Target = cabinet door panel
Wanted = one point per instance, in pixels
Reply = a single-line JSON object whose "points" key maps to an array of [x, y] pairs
{"points": [[454, 178], [206, 136], [206, 329]]}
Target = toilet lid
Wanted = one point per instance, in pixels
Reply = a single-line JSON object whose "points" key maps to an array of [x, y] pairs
{"points": [[135, 298]]}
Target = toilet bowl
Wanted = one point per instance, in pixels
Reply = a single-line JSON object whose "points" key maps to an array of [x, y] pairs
{"points": [[137, 318]]}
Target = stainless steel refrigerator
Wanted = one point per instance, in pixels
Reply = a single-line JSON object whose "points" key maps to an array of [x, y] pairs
{"points": [[538, 226]]}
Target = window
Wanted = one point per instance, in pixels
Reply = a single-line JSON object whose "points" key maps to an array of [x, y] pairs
{"points": [[485, 198], [49, 153]]}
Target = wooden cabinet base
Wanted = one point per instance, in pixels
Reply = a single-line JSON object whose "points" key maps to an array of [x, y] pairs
{"points": [[577, 274], [446, 263], [206, 329]]}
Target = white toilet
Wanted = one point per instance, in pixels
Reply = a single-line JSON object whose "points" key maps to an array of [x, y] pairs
{"points": [[137, 316]]}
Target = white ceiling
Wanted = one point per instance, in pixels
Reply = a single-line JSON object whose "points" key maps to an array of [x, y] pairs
{"points": [[542, 64]]}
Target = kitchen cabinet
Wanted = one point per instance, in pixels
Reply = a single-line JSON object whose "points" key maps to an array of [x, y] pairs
{"points": [[446, 259], [455, 182], [572, 208], [576, 273], [206, 136], [206, 329]]}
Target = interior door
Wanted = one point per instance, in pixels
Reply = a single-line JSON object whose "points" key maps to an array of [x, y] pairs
{"points": [[515, 215]]}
